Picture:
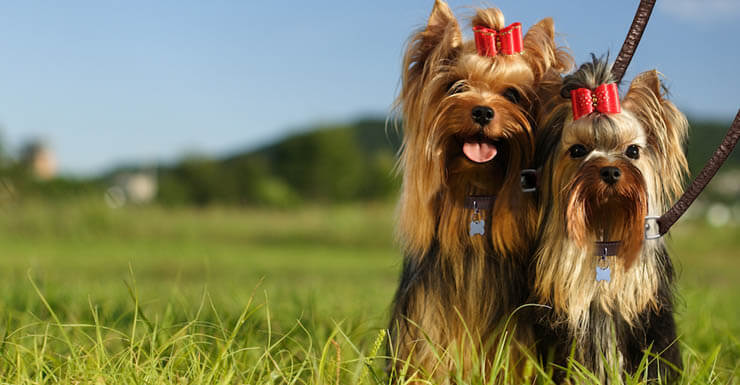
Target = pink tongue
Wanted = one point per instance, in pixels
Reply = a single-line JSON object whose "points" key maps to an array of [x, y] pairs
{"points": [[479, 152]]}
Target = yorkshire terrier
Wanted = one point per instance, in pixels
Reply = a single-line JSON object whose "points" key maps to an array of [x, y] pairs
{"points": [[608, 168], [465, 224]]}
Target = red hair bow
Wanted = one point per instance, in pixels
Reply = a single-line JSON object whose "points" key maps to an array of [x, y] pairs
{"points": [[605, 99], [490, 42]]}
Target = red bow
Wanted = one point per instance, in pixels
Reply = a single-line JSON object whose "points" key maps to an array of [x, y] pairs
{"points": [[507, 41], [605, 99]]}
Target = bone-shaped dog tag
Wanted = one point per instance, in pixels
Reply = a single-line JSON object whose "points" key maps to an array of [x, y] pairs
{"points": [[604, 274], [477, 227]]}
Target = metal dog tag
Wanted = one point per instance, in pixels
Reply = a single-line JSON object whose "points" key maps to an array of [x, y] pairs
{"points": [[603, 273], [477, 226]]}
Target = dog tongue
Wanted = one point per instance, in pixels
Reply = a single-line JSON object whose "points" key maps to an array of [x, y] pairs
{"points": [[479, 152]]}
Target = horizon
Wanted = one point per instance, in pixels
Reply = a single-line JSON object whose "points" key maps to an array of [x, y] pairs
{"points": [[296, 131], [139, 83]]}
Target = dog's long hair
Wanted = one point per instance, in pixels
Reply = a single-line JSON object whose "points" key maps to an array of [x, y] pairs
{"points": [[452, 282], [644, 144], [443, 78]]}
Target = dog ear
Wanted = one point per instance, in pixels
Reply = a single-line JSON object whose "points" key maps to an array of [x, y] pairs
{"points": [[542, 53], [666, 128], [438, 42], [428, 53]]}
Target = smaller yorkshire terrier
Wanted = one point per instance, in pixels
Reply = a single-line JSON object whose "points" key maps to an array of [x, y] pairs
{"points": [[608, 167], [465, 224]]}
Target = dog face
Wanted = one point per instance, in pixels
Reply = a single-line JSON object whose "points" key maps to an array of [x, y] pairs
{"points": [[467, 124], [600, 168], [479, 129], [611, 170], [604, 172]]}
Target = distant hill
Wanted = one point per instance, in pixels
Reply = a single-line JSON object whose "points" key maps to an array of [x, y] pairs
{"points": [[324, 164], [330, 164]]}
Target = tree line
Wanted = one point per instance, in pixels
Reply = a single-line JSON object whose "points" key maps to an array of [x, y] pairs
{"points": [[335, 163]]}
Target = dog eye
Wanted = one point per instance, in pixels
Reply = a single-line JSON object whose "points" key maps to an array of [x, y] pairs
{"points": [[512, 95], [633, 152], [456, 88], [577, 151]]}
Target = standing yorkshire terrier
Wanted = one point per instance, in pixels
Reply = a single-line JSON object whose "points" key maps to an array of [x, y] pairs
{"points": [[465, 225], [608, 167]]}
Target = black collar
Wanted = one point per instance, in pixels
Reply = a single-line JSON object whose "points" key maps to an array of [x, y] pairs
{"points": [[479, 202], [607, 249]]}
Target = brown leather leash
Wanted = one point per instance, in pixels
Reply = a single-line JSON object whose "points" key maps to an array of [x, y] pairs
{"points": [[719, 157], [644, 10]]}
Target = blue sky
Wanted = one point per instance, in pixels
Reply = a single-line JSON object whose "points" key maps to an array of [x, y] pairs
{"points": [[105, 82]]}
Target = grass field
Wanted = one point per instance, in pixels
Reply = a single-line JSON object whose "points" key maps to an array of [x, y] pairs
{"points": [[221, 295]]}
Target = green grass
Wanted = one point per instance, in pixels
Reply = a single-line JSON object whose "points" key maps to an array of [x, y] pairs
{"points": [[222, 295]]}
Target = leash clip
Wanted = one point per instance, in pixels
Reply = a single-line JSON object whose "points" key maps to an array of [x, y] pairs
{"points": [[648, 226]]}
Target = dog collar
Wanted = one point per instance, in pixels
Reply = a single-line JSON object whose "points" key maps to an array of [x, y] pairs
{"points": [[530, 179], [479, 202], [606, 249]]}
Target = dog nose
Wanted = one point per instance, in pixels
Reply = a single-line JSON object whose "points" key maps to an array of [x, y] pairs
{"points": [[610, 175], [482, 115]]}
